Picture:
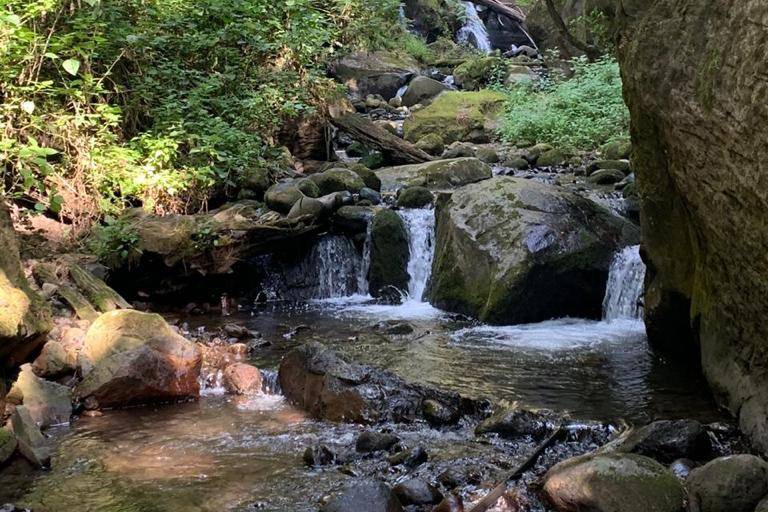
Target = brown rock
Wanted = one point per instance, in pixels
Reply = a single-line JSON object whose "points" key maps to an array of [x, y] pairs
{"points": [[242, 379], [53, 361]]}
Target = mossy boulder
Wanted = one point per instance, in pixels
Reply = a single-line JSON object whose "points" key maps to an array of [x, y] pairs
{"points": [[422, 90], [617, 165], [7, 445], [368, 73], [439, 174], [503, 245], [616, 150], [337, 180], [282, 196], [368, 176], [736, 484], [457, 116], [130, 357], [431, 143], [613, 483], [606, 177], [552, 158], [388, 273], [414, 197], [477, 72], [487, 155], [256, 181], [25, 317]]}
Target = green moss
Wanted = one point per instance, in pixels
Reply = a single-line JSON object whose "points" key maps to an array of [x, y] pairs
{"points": [[457, 116], [706, 79]]}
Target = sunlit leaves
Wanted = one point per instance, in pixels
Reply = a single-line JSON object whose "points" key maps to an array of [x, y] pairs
{"points": [[71, 66]]}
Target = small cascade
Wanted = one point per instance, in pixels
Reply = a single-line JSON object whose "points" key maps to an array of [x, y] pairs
{"points": [[474, 30], [421, 234], [623, 293], [337, 265], [270, 383], [365, 264], [401, 91]]}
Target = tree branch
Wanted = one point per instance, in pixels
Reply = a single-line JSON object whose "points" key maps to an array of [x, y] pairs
{"points": [[591, 51]]}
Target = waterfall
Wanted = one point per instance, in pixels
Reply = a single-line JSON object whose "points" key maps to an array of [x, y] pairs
{"points": [[624, 290], [420, 224], [401, 91], [474, 30], [365, 263], [336, 263]]}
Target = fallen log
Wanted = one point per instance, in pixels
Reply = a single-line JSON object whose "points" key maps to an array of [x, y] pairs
{"points": [[394, 149], [508, 9]]}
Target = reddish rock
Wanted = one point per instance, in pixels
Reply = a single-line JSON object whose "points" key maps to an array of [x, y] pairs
{"points": [[242, 379]]}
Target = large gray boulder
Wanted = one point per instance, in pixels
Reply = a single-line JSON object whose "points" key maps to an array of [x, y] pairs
{"points": [[130, 357], [48, 403], [511, 250], [613, 483], [379, 72], [440, 174], [421, 90], [733, 484]]}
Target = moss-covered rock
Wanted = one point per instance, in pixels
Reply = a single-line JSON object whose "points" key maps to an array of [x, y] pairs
{"points": [[606, 177], [388, 273], [25, 318], [422, 90], [7, 445], [478, 72], [617, 165], [130, 357], [487, 155], [552, 158], [414, 197], [613, 483], [616, 150], [431, 143], [457, 116], [337, 180], [282, 196], [440, 174], [503, 245], [368, 176], [735, 484]]}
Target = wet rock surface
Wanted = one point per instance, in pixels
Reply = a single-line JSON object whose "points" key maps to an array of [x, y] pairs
{"points": [[368, 495], [736, 483], [666, 441]]}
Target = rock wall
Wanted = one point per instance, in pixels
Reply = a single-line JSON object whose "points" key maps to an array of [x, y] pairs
{"points": [[696, 84]]}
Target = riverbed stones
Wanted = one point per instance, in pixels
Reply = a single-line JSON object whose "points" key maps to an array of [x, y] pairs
{"points": [[666, 441], [416, 491], [388, 272], [332, 387], [613, 483], [48, 403], [353, 219], [25, 317], [422, 90], [458, 116], [242, 379], [552, 158], [516, 423], [307, 208], [368, 176], [503, 245], [437, 175], [616, 150], [431, 143], [414, 197], [371, 441], [606, 177], [368, 495], [282, 196], [734, 484], [130, 357]]}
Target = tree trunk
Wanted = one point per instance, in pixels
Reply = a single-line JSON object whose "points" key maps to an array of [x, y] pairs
{"points": [[591, 51], [511, 11]]}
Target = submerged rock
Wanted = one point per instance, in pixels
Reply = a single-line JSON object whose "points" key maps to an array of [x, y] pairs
{"points": [[613, 483], [388, 272], [515, 423], [736, 484], [332, 387], [375, 441], [510, 250], [364, 495], [416, 491], [440, 174], [131, 357]]}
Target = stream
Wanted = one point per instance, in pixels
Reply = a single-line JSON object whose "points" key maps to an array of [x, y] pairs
{"points": [[245, 453]]}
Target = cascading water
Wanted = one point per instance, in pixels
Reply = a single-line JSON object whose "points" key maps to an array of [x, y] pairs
{"points": [[365, 264], [337, 266], [625, 285], [421, 233], [474, 30]]}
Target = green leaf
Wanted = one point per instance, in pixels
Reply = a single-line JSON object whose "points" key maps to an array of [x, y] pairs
{"points": [[71, 66]]}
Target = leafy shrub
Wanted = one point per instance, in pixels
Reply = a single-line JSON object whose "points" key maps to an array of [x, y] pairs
{"points": [[162, 103], [581, 112], [115, 243]]}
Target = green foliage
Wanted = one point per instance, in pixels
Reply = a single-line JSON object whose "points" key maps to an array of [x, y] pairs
{"points": [[595, 25], [163, 103], [115, 243], [581, 112]]}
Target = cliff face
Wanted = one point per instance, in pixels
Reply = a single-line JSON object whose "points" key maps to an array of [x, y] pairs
{"points": [[697, 86]]}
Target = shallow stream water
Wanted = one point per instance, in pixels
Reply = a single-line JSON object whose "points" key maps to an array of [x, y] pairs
{"points": [[224, 453]]}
